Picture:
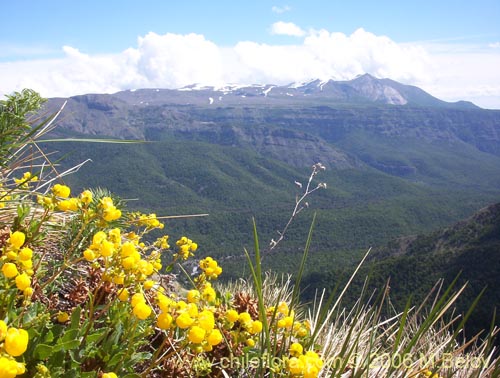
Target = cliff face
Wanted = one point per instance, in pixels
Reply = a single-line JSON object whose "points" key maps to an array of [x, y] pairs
{"points": [[362, 124]]}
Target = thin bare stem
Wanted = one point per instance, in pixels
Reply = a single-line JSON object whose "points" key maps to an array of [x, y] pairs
{"points": [[299, 202]]}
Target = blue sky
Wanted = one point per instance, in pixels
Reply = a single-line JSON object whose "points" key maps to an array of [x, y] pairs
{"points": [[61, 48]]}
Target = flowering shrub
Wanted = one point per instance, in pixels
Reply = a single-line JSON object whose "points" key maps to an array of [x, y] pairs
{"points": [[97, 304]]}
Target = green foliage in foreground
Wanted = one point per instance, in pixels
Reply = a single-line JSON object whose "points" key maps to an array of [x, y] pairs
{"points": [[84, 294]]}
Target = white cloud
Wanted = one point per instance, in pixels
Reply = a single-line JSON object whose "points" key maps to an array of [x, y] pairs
{"points": [[281, 10], [494, 45], [287, 28], [173, 61], [471, 75]]}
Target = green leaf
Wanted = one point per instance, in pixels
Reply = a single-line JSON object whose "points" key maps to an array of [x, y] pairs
{"points": [[49, 337], [70, 335], [93, 337], [42, 351], [67, 345], [116, 358], [75, 318]]}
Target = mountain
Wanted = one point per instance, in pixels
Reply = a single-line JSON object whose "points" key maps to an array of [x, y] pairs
{"points": [[346, 125], [400, 162], [469, 249], [363, 90]]}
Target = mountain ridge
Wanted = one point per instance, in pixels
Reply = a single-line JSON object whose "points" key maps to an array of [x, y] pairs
{"points": [[363, 89]]}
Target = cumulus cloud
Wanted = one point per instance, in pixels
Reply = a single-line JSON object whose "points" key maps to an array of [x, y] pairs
{"points": [[174, 60], [281, 10], [287, 28]]}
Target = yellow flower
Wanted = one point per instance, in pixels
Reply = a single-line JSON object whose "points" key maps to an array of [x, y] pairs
{"points": [[193, 296], [123, 294], [45, 201], [109, 375], [11, 255], [89, 255], [16, 341], [295, 366], [62, 317], [23, 281], [206, 320], [164, 302], [68, 204], [115, 236], [192, 310], [17, 239], [232, 315], [3, 330], [98, 238], [215, 337], [184, 320], [128, 249], [137, 298], [283, 308], [9, 270], [149, 284], [106, 203], [142, 310], [27, 265], [244, 317], [86, 197], [256, 327], [118, 279], [209, 294], [25, 254], [296, 349], [210, 267], [61, 190], [129, 263], [286, 322], [111, 214], [145, 267], [107, 248], [196, 334], [164, 320], [8, 367], [250, 342], [28, 292]]}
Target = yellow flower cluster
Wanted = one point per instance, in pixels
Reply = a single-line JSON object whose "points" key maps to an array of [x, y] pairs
{"points": [[4, 197], [199, 321], [306, 365], [14, 342], [210, 268], [195, 317], [109, 210], [60, 199], [285, 321], [428, 374], [17, 263], [140, 308], [149, 221], [24, 181], [186, 247], [121, 259], [243, 328]]}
